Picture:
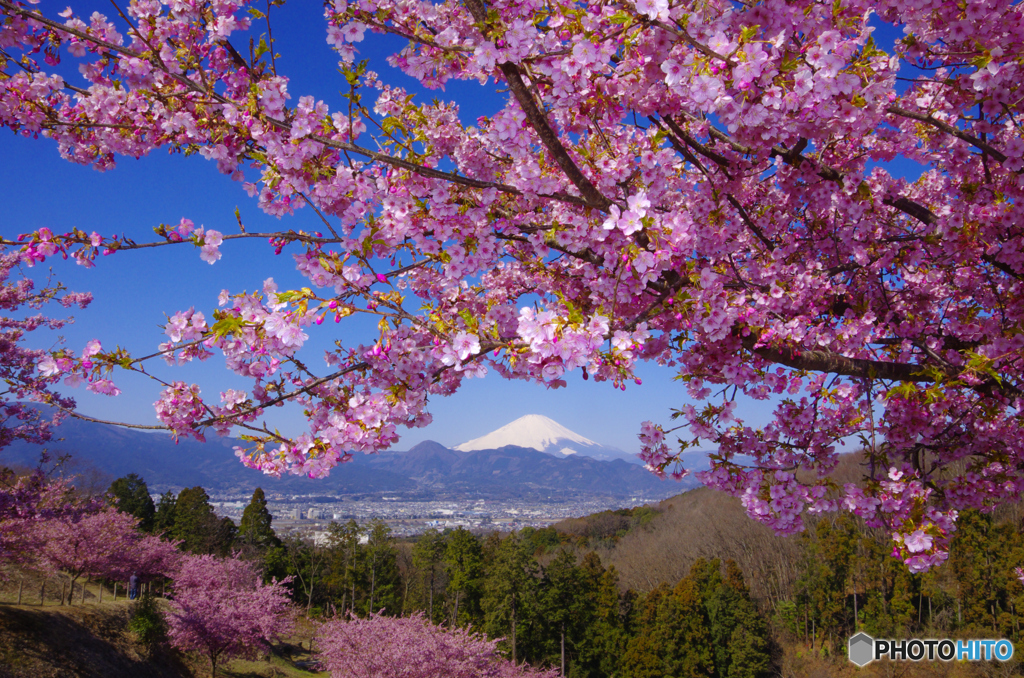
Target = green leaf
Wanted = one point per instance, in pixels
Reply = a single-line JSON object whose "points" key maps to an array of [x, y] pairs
{"points": [[262, 48], [229, 325]]}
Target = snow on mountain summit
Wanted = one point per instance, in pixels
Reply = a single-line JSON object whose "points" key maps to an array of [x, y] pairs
{"points": [[533, 430], [544, 435]]}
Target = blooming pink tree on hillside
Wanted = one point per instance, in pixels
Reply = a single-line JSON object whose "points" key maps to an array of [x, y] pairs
{"points": [[102, 543], [222, 609], [412, 647], [29, 498], [25, 502], [704, 185]]}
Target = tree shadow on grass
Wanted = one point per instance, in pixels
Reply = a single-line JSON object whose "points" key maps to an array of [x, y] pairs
{"points": [[82, 642]]}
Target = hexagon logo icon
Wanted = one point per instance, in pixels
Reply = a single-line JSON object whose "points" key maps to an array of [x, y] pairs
{"points": [[862, 649]]}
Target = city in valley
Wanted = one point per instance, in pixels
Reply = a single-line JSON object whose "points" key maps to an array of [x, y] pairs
{"points": [[310, 516]]}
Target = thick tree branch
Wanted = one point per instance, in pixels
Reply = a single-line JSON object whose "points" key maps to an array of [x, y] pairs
{"points": [[711, 155], [913, 209], [540, 123], [948, 129], [818, 360]]}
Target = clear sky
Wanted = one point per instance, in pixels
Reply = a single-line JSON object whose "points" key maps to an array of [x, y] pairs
{"points": [[134, 290]]}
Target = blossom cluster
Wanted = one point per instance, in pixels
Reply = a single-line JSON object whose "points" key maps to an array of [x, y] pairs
{"points": [[712, 191]]}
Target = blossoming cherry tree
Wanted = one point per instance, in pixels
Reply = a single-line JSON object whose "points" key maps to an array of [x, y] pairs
{"points": [[709, 186]]}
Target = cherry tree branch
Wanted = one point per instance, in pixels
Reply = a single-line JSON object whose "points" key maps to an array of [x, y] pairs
{"points": [[948, 129], [540, 123]]}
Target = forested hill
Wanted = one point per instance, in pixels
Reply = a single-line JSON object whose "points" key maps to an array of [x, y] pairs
{"points": [[426, 470]]}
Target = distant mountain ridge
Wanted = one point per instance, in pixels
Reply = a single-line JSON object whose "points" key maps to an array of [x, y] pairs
{"points": [[428, 469], [535, 431]]}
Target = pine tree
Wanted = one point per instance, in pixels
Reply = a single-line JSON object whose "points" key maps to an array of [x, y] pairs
{"points": [[565, 603], [510, 592], [131, 495], [344, 575], [463, 559], [166, 511], [198, 527], [382, 577], [605, 637], [428, 560], [255, 527], [748, 644]]}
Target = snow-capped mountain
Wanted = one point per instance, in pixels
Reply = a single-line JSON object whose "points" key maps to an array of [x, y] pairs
{"points": [[544, 435]]}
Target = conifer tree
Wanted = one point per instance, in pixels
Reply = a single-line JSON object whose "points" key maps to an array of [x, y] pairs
{"points": [[510, 592], [746, 640], [463, 560], [428, 561], [197, 526], [605, 635], [565, 603], [345, 570], [382, 576], [255, 527], [166, 512], [131, 495]]}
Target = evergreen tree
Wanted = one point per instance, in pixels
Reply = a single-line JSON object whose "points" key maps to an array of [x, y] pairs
{"points": [[198, 527], [825, 572], [739, 629], [604, 640], [690, 639], [131, 495], [166, 511], [255, 527], [463, 560], [510, 592], [307, 562], [566, 604], [382, 577], [428, 561], [344, 575], [672, 638]]}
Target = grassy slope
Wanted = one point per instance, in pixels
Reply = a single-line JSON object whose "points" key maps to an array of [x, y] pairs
{"points": [[93, 640], [90, 640]]}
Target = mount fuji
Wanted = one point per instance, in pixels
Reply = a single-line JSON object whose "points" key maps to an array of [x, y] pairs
{"points": [[540, 433]]}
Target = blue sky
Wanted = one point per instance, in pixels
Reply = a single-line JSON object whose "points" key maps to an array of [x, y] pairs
{"points": [[133, 291]]}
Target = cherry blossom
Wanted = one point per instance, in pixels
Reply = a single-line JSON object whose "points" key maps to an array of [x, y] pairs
{"points": [[222, 608], [412, 647], [712, 189]]}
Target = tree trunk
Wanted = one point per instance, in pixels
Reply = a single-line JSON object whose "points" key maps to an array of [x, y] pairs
{"points": [[514, 631], [855, 621], [373, 586], [563, 649], [431, 595]]}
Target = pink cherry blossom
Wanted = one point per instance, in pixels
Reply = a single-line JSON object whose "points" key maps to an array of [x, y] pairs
{"points": [[720, 193]]}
